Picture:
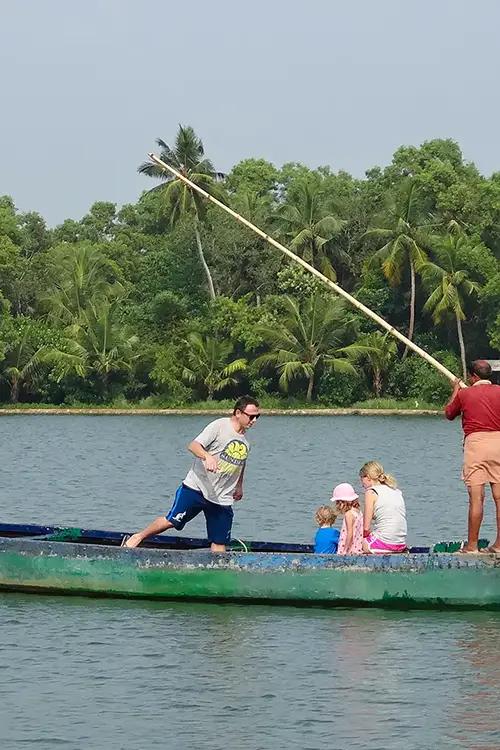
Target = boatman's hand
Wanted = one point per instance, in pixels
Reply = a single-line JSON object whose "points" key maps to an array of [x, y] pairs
{"points": [[211, 463], [238, 494]]}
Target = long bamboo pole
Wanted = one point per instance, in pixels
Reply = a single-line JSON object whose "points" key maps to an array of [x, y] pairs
{"points": [[331, 284]]}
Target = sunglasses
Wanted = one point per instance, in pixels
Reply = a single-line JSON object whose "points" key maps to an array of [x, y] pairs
{"points": [[250, 416]]}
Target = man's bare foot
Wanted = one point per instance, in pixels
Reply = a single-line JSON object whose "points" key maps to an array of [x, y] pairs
{"points": [[133, 541], [466, 549]]}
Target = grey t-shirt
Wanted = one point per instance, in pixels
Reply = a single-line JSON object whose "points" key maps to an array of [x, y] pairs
{"points": [[219, 438]]}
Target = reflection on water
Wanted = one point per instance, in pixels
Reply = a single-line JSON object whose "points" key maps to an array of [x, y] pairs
{"points": [[478, 708], [106, 674], [83, 673]]}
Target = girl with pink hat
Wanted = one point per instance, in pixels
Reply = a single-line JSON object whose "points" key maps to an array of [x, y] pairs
{"points": [[351, 534]]}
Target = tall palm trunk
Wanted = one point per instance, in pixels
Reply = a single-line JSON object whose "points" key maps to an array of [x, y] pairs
{"points": [[105, 385], [462, 345], [377, 381], [202, 259], [14, 390], [411, 325], [310, 387]]}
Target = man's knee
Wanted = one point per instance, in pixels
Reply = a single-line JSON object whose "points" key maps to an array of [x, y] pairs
{"points": [[476, 493], [164, 522], [495, 491]]}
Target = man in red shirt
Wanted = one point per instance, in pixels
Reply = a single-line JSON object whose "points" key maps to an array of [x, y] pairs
{"points": [[479, 406]]}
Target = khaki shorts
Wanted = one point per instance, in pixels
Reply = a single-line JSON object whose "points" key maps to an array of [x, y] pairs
{"points": [[481, 458]]}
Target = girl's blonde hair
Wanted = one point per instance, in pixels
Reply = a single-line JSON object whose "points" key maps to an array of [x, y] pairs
{"points": [[344, 505], [375, 471], [325, 514]]}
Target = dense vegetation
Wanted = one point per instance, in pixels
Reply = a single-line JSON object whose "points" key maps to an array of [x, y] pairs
{"points": [[170, 301]]}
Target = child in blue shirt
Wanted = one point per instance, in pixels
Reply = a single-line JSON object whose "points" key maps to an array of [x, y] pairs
{"points": [[327, 538]]}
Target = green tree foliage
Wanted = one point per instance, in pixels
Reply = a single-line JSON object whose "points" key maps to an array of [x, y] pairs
{"points": [[253, 176], [97, 345], [210, 365], [402, 239], [81, 275], [490, 298], [24, 363], [187, 156], [307, 340], [166, 373], [376, 351], [449, 284], [243, 264], [306, 221], [122, 303], [414, 378]]}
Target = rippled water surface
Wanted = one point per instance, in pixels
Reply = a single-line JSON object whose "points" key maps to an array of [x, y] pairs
{"points": [[102, 674]]}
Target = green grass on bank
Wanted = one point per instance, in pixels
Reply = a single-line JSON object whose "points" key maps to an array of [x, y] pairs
{"points": [[409, 404], [154, 402]]}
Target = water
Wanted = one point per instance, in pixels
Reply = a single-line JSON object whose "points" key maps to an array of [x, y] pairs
{"points": [[86, 673]]}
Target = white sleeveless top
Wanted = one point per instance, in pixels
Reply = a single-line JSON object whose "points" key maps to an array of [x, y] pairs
{"points": [[389, 515]]}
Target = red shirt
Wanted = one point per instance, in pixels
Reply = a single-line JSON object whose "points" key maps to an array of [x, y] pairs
{"points": [[479, 406]]}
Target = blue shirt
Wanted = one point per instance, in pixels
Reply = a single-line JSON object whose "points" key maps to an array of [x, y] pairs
{"points": [[326, 540]]}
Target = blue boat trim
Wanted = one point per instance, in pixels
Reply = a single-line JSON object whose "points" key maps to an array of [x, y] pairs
{"points": [[172, 541]]}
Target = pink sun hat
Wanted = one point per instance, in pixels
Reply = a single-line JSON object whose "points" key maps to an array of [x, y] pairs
{"points": [[344, 491]]}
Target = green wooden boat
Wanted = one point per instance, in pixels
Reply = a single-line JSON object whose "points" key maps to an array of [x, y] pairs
{"points": [[91, 562]]}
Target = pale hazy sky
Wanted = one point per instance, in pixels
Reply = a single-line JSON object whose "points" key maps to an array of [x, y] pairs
{"points": [[87, 86]]}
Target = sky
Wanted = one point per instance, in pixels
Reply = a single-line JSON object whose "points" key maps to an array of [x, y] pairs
{"points": [[88, 85]]}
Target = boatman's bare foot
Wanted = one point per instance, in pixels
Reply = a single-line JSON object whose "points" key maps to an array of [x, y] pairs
{"points": [[132, 541], [468, 550]]}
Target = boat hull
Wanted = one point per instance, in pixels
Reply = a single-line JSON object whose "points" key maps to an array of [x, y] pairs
{"points": [[397, 581]]}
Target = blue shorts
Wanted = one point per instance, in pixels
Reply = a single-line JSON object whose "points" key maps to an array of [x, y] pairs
{"points": [[188, 503]]}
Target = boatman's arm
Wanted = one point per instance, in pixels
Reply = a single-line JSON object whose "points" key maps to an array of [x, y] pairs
{"points": [[454, 406], [211, 462]]}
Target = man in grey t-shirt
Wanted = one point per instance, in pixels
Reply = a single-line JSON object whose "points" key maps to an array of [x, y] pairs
{"points": [[214, 481]]}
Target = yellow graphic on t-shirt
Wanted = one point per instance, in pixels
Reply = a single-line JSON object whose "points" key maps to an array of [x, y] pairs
{"points": [[233, 457]]}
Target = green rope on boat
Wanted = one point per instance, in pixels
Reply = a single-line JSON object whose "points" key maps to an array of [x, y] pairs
{"points": [[238, 545], [65, 535], [456, 546]]}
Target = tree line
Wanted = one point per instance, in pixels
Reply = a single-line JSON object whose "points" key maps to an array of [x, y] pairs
{"points": [[170, 301]]}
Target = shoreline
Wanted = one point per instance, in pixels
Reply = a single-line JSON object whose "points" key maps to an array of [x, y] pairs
{"points": [[328, 412]]}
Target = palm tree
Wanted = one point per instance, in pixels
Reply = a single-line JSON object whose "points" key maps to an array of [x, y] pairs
{"points": [[309, 337], [404, 241], [24, 359], [254, 207], [306, 221], [209, 363], [188, 157], [22, 364], [82, 276], [376, 350], [98, 344], [450, 283]]}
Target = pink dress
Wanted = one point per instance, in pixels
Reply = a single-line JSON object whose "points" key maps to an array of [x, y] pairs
{"points": [[357, 535]]}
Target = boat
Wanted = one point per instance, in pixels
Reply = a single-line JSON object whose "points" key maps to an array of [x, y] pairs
{"points": [[60, 560]]}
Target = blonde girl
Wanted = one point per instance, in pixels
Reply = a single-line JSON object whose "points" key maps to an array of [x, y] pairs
{"points": [[384, 525], [351, 534]]}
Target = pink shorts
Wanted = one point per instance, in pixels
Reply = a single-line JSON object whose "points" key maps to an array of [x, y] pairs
{"points": [[378, 547]]}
